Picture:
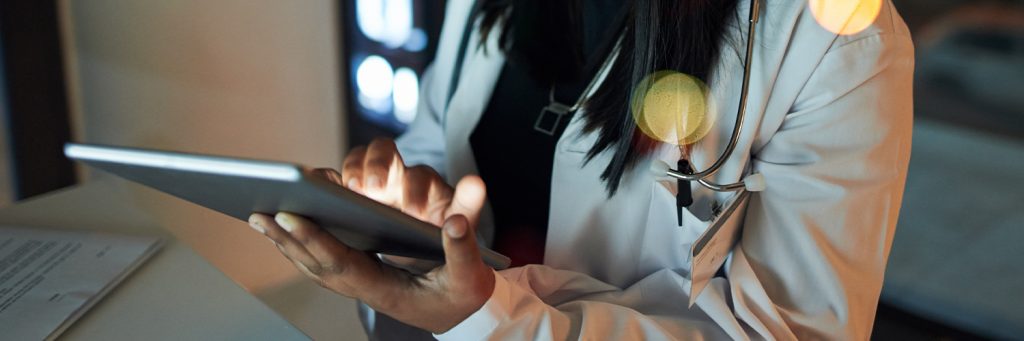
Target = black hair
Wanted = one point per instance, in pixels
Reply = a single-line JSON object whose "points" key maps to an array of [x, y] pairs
{"points": [[680, 35]]}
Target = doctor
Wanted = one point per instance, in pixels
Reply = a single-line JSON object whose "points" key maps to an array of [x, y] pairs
{"points": [[601, 248]]}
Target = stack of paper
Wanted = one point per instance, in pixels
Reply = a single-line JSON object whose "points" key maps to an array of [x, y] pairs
{"points": [[49, 278]]}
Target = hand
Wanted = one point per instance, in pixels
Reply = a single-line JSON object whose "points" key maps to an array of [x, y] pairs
{"points": [[435, 301], [378, 172]]}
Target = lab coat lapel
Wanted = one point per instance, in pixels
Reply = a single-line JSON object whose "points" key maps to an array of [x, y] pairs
{"points": [[583, 217], [480, 72]]}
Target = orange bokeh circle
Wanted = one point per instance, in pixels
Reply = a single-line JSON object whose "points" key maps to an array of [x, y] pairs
{"points": [[845, 17]]}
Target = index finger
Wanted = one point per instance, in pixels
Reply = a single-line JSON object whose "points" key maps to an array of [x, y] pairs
{"points": [[379, 163], [352, 169], [329, 175]]}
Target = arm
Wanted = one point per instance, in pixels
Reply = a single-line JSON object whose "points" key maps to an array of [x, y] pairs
{"points": [[811, 260], [541, 303], [818, 238], [423, 141]]}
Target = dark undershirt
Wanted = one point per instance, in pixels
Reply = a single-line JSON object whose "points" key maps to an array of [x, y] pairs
{"points": [[515, 160]]}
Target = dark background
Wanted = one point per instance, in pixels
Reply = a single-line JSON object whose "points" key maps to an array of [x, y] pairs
{"points": [[32, 80]]}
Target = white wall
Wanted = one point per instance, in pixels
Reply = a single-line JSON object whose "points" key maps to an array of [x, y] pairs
{"points": [[249, 78]]}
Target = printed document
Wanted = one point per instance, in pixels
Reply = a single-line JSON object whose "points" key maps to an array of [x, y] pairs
{"points": [[49, 278]]}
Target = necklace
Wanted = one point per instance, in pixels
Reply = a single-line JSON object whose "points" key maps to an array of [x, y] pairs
{"points": [[560, 110]]}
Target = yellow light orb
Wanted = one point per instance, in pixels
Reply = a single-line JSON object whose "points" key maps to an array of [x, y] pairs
{"points": [[845, 17], [671, 107]]}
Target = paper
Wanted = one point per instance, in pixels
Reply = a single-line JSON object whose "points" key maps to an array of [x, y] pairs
{"points": [[49, 278]]}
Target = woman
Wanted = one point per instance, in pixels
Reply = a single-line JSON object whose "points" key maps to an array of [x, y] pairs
{"points": [[601, 249]]}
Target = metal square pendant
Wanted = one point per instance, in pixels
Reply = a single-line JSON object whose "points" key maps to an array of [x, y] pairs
{"points": [[555, 108]]}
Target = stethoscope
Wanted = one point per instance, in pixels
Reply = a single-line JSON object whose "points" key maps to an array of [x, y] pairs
{"points": [[683, 173], [753, 182]]}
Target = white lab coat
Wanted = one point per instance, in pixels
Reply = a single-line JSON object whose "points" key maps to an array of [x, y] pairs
{"points": [[828, 125]]}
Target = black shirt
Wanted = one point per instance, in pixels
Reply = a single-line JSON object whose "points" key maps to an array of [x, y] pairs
{"points": [[514, 159]]}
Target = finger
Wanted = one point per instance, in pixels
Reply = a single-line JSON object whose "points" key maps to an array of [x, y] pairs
{"points": [[305, 270], [341, 268], [461, 253], [468, 199], [352, 169], [439, 201], [380, 162], [284, 241], [416, 197], [331, 254], [329, 175], [255, 220]]}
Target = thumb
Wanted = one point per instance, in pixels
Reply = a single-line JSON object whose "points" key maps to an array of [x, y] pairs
{"points": [[461, 253], [468, 199]]}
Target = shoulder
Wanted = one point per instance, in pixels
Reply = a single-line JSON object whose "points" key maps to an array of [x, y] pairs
{"points": [[457, 14], [795, 37], [830, 24], [797, 44]]}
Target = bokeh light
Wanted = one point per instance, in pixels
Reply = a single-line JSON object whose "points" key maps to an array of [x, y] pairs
{"points": [[374, 78], [845, 17], [672, 107], [417, 41], [406, 94], [386, 21]]}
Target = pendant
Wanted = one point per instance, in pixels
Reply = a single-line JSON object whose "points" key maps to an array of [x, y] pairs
{"points": [[559, 110]]}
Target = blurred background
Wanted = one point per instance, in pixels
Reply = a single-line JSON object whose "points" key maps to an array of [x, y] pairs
{"points": [[303, 81]]}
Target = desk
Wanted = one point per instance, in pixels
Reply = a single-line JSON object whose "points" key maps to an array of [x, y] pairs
{"points": [[176, 295]]}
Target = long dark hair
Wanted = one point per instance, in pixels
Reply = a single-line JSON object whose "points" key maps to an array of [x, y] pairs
{"points": [[680, 35]]}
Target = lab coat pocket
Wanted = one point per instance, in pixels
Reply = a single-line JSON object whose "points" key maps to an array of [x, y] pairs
{"points": [[666, 243]]}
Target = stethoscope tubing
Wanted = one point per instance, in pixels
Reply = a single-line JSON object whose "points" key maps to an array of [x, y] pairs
{"points": [[701, 177], [756, 183]]}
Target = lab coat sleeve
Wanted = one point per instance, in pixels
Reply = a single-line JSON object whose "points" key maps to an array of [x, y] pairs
{"points": [[537, 302], [815, 243], [423, 141]]}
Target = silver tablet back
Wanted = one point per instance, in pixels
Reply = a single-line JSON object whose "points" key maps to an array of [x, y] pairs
{"points": [[239, 187]]}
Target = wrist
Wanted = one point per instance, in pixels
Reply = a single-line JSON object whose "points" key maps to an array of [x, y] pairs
{"points": [[471, 301]]}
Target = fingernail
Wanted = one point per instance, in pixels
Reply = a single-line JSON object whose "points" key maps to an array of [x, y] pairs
{"points": [[454, 230], [285, 223], [353, 184], [256, 226]]}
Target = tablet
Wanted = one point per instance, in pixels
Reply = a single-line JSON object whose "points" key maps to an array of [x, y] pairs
{"points": [[239, 187]]}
